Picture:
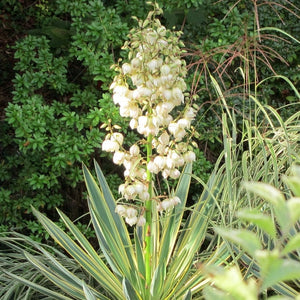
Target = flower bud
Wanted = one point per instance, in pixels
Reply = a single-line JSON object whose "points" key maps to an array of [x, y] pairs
{"points": [[126, 68], [167, 94], [190, 114], [133, 123], [118, 157], [164, 138], [120, 90], [134, 150], [136, 62], [118, 137], [174, 173], [139, 187], [165, 173], [120, 210], [177, 96], [144, 196], [189, 156], [122, 188], [131, 212], [153, 65], [131, 221], [160, 161], [152, 167], [184, 123], [120, 99], [175, 200], [110, 146], [165, 70], [151, 37], [166, 204], [173, 128], [130, 192]]}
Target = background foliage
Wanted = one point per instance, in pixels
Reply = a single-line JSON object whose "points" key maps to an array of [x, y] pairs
{"points": [[62, 73]]}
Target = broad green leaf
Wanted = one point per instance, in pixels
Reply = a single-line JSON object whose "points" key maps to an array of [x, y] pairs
{"points": [[191, 238], [258, 218], [58, 275], [275, 269], [274, 197], [109, 225], [171, 226], [246, 239], [129, 291], [140, 258], [96, 269], [292, 245], [157, 282], [87, 292], [188, 295], [39, 288]]}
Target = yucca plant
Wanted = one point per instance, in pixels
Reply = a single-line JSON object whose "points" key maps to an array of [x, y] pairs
{"points": [[158, 257], [154, 260]]}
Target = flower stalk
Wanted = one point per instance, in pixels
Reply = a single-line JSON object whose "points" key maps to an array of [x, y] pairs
{"points": [[147, 230], [150, 91]]}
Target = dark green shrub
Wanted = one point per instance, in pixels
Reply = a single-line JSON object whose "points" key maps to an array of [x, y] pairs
{"points": [[53, 123]]}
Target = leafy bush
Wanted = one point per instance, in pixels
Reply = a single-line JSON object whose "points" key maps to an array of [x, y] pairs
{"points": [[54, 118], [273, 260]]}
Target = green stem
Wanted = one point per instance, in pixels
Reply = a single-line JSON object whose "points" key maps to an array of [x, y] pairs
{"points": [[148, 225]]}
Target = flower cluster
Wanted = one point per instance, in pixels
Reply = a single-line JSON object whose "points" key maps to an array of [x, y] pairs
{"points": [[148, 90], [130, 214]]}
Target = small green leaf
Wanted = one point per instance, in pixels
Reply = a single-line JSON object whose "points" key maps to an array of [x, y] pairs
{"points": [[231, 281], [294, 180], [246, 239], [293, 205], [266, 191], [294, 185], [275, 198], [274, 269], [293, 244], [262, 221]]}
